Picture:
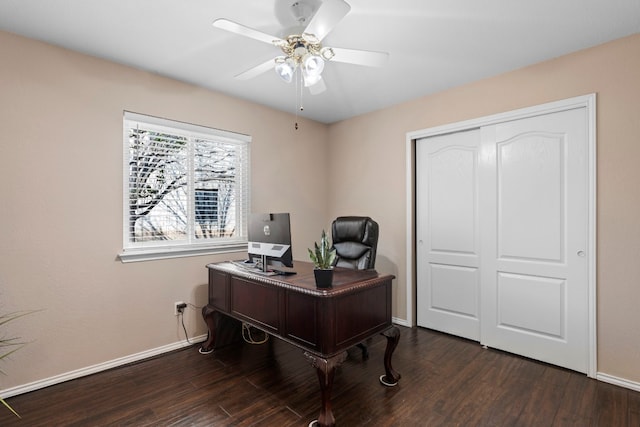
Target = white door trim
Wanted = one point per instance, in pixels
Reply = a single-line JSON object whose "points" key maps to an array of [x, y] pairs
{"points": [[585, 101]]}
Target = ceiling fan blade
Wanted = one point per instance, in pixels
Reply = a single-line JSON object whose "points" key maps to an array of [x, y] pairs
{"points": [[256, 71], [245, 31], [360, 57], [329, 14], [318, 88]]}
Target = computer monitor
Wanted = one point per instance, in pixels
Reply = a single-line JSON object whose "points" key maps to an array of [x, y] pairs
{"points": [[270, 239]]}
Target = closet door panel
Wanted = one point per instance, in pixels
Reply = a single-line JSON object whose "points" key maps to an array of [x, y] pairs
{"points": [[448, 292]]}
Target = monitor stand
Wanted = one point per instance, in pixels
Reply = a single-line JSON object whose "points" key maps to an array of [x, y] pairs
{"points": [[263, 260]]}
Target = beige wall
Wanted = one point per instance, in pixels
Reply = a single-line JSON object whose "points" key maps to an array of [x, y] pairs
{"points": [[61, 205], [61, 180], [368, 154]]}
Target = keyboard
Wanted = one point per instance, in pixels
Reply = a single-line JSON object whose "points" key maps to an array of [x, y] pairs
{"points": [[251, 267]]}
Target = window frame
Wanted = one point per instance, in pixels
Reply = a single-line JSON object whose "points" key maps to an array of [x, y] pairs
{"points": [[152, 250]]}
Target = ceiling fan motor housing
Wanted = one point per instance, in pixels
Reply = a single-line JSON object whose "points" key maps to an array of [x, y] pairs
{"points": [[302, 10], [297, 47]]}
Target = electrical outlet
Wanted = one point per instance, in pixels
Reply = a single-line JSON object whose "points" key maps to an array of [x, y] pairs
{"points": [[178, 307]]}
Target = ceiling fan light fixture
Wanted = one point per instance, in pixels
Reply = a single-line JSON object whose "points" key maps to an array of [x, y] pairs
{"points": [[310, 38], [310, 80], [312, 66], [285, 68], [299, 49], [327, 53]]}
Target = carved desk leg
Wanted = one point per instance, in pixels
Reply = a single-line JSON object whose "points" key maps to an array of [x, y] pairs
{"points": [[209, 319], [325, 369], [393, 337]]}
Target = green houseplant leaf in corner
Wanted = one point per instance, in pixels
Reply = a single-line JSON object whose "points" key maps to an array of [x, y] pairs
{"points": [[323, 257], [9, 346]]}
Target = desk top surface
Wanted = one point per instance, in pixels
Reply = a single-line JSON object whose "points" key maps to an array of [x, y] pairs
{"points": [[344, 280]]}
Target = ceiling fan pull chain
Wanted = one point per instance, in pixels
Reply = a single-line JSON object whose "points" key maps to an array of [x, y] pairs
{"points": [[297, 103], [301, 92]]}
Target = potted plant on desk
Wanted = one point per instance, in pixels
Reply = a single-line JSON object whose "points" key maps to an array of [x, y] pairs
{"points": [[323, 257]]}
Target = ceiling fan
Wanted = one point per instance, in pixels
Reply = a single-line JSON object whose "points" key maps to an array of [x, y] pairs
{"points": [[302, 48]]}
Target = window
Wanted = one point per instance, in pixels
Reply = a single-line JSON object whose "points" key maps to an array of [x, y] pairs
{"points": [[186, 189]]}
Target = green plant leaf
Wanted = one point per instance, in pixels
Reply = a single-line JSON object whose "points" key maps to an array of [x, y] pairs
{"points": [[2, 356], [9, 407], [6, 318], [11, 342], [313, 257]]}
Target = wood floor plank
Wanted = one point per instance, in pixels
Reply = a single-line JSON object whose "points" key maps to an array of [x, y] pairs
{"points": [[611, 405], [446, 381], [634, 408]]}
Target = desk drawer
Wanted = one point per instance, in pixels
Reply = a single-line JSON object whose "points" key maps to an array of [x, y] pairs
{"points": [[257, 303]]}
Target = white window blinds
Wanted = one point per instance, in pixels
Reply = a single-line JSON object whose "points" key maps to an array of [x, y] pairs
{"points": [[186, 188]]}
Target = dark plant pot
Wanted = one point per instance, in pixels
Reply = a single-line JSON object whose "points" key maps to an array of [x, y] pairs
{"points": [[324, 278]]}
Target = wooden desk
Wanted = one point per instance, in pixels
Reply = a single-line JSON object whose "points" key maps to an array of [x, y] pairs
{"points": [[324, 323]]}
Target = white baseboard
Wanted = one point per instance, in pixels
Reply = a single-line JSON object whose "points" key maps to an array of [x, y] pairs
{"points": [[606, 378], [401, 322], [36, 385], [78, 373], [57, 379]]}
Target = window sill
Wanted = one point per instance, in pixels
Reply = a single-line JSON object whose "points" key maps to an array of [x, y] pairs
{"points": [[152, 254]]}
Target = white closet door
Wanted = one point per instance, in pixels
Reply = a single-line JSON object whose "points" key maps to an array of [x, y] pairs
{"points": [[534, 215], [502, 236], [448, 294]]}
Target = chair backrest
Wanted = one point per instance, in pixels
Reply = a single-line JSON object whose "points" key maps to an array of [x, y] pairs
{"points": [[355, 239]]}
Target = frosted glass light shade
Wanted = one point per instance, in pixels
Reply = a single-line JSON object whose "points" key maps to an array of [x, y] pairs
{"points": [[285, 70], [310, 80], [312, 66]]}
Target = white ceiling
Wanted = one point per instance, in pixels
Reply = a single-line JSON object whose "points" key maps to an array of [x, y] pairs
{"points": [[433, 45]]}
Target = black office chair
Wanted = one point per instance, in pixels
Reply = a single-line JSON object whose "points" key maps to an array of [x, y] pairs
{"points": [[355, 239]]}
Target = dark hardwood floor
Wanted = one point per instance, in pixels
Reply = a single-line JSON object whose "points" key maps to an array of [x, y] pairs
{"points": [[446, 381]]}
